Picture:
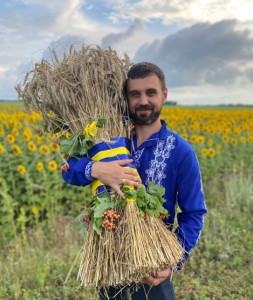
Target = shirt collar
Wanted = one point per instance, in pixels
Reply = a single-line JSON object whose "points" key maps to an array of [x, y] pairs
{"points": [[152, 140]]}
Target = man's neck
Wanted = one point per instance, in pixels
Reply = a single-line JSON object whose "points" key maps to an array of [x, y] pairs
{"points": [[143, 132]]}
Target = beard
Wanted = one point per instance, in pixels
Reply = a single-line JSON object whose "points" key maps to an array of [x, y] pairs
{"points": [[143, 118]]}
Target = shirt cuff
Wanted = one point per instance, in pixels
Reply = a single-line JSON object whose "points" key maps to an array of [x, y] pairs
{"points": [[88, 171]]}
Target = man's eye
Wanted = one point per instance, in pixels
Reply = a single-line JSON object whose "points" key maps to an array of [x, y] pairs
{"points": [[151, 93], [134, 95]]}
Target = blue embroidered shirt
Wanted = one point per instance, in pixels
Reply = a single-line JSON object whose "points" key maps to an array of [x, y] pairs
{"points": [[169, 161]]}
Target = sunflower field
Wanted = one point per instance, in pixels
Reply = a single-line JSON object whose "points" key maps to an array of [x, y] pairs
{"points": [[38, 236], [30, 176]]}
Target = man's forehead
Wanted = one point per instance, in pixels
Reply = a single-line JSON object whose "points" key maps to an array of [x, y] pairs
{"points": [[149, 82]]}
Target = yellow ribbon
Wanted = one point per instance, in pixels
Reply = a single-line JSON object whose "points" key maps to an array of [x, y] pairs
{"points": [[107, 154], [95, 185], [110, 153], [131, 200]]}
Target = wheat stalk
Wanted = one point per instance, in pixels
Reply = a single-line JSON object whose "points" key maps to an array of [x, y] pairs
{"points": [[84, 86]]}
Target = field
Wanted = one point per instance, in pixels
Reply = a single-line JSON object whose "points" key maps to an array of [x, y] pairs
{"points": [[39, 239]]}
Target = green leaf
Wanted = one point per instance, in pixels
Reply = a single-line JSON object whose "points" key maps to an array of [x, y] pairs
{"points": [[141, 204], [121, 202], [97, 225], [65, 145], [129, 193], [101, 208], [152, 202], [141, 191], [101, 122], [155, 189]]}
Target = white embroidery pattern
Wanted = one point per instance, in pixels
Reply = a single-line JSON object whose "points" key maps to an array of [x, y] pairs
{"points": [[157, 165], [201, 182], [136, 157], [88, 171]]}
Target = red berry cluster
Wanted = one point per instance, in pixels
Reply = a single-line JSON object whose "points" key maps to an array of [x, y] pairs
{"points": [[86, 219], [110, 217], [161, 217], [64, 168]]}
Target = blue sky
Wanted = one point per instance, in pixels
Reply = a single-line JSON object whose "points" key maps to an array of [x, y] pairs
{"points": [[205, 47]]}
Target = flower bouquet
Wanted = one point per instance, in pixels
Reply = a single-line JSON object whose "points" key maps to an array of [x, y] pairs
{"points": [[82, 94]]}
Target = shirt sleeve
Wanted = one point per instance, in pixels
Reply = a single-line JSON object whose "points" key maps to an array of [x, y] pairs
{"points": [[191, 202], [79, 172]]}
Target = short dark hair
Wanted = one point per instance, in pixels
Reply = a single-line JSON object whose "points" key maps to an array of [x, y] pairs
{"points": [[145, 69]]}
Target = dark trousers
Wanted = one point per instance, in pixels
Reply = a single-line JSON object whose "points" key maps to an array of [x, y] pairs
{"points": [[163, 291]]}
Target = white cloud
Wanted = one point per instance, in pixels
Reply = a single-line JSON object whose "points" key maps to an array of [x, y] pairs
{"points": [[212, 95], [214, 53], [27, 32], [190, 11]]}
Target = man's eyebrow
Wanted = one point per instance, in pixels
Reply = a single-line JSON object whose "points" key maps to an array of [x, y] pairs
{"points": [[133, 91]]}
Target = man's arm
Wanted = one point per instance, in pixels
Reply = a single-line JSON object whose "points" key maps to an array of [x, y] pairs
{"points": [[83, 171], [191, 202], [79, 171]]}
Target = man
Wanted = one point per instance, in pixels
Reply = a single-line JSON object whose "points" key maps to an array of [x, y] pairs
{"points": [[161, 156]]}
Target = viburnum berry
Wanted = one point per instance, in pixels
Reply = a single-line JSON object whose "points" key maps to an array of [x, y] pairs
{"points": [[86, 219], [110, 217], [64, 168], [146, 215]]}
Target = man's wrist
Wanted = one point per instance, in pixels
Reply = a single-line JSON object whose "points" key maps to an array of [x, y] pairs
{"points": [[88, 171], [94, 169]]}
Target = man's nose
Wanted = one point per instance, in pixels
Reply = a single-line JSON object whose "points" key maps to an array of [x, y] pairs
{"points": [[143, 99]]}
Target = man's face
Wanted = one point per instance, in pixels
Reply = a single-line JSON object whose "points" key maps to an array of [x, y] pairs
{"points": [[145, 99]]}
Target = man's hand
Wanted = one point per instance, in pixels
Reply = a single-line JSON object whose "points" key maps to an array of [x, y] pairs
{"points": [[154, 280], [114, 174]]}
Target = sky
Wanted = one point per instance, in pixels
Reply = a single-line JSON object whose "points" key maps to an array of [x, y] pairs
{"points": [[204, 47]]}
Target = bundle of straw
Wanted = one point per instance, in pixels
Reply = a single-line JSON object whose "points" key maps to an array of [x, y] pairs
{"points": [[84, 87]]}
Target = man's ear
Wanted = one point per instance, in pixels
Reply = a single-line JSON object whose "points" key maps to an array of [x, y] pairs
{"points": [[165, 93]]}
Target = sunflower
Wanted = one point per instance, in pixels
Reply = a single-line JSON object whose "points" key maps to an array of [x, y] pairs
{"points": [[193, 138], [1, 130], [243, 139], [16, 150], [39, 139], [68, 135], [55, 146], [13, 123], [250, 139], [204, 152], [200, 139], [39, 166], [27, 134], [184, 136], [2, 150], [21, 169], [31, 146], [91, 129], [233, 141], [225, 138], [52, 165], [35, 210], [10, 138], [15, 132], [211, 152], [44, 149]]}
